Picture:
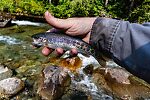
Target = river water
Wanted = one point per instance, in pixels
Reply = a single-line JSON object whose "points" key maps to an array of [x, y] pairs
{"points": [[17, 54]]}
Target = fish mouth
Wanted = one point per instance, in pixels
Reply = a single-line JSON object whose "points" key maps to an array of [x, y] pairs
{"points": [[36, 43]]}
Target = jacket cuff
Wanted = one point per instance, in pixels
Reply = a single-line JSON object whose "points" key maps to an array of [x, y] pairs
{"points": [[103, 33]]}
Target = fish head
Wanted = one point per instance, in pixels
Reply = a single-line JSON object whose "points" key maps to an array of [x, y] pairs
{"points": [[39, 40]]}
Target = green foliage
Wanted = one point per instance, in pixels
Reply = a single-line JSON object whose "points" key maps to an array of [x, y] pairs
{"points": [[23, 6], [77, 8], [29, 6], [142, 13], [133, 10], [7, 5]]}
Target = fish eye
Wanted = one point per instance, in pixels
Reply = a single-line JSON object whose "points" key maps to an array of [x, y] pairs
{"points": [[44, 40]]}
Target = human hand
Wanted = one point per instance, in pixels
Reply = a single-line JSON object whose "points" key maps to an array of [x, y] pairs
{"points": [[71, 26]]}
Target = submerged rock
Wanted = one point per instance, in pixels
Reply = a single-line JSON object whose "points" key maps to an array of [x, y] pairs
{"points": [[121, 84], [116, 74], [10, 86], [29, 68], [55, 80], [72, 64], [76, 95], [5, 72]]}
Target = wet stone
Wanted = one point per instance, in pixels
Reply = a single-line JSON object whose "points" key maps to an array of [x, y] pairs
{"points": [[5, 72], [10, 86], [116, 74], [121, 84], [54, 82], [88, 69], [76, 95]]}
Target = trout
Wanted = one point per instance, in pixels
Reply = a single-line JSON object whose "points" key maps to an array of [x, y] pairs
{"points": [[54, 40]]}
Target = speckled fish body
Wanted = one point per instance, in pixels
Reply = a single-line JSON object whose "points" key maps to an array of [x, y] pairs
{"points": [[54, 40]]}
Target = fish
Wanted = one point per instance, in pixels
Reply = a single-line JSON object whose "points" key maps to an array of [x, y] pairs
{"points": [[54, 40]]}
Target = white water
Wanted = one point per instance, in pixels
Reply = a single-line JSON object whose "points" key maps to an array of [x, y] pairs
{"points": [[24, 22], [112, 64], [89, 60], [87, 83], [9, 40], [86, 80]]}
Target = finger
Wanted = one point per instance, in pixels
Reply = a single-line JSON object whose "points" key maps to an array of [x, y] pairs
{"points": [[59, 51], [87, 38], [46, 51], [73, 52], [56, 22]]}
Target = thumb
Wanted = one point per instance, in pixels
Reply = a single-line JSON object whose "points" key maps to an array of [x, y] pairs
{"points": [[87, 37], [56, 22]]}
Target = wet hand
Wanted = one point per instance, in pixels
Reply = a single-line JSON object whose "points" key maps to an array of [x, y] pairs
{"points": [[71, 26]]}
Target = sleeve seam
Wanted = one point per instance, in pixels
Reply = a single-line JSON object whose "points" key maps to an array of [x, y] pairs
{"points": [[94, 27], [110, 43]]}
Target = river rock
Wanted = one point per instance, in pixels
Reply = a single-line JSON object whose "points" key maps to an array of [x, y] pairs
{"points": [[116, 74], [88, 69], [121, 84], [55, 80], [5, 72], [10, 86]]}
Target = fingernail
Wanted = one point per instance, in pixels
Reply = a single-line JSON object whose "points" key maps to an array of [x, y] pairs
{"points": [[46, 51], [47, 13], [59, 51], [73, 52]]}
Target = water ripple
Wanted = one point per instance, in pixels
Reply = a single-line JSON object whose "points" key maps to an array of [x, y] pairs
{"points": [[9, 40]]}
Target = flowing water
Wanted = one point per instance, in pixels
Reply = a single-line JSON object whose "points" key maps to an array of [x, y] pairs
{"points": [[16, 53], [97, 94]]}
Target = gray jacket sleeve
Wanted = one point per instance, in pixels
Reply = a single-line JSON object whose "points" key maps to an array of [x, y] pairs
{"points": [[127, 43]]}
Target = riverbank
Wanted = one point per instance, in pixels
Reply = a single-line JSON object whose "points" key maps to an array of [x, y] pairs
{"points": [[17, 16]]}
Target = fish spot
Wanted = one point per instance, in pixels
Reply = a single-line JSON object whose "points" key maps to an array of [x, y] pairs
{"points": [[92, 51], [82, 45], [88, 49], [78, 43]]}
